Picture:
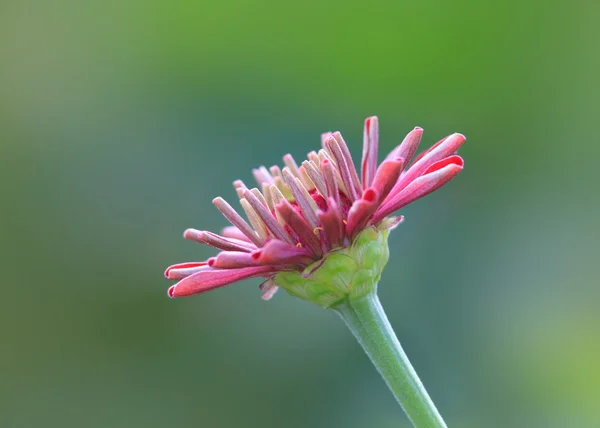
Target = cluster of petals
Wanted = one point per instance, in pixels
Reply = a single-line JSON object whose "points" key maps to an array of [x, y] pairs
{"points": [[300, 213]]}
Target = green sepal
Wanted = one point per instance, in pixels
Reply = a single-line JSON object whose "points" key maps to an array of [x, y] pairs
{"points": [[344, 274]]}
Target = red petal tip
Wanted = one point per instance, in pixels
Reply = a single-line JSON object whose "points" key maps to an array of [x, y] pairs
{"points": [[171, 292], [211, 261], [370, 195]]}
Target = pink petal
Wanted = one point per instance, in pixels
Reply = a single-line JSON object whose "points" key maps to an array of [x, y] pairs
{"points": [[408, 147], [418, 188], [266, 216], [181, 270], [333, 227], [237, 220], [216, 241], [301, 199], [370, 149], [420, 155], [343, 168], [446, 148], [387, 176], [214, 278], [231, 260], [348, 156], [234, 233], [276, 252], [304, 232], [361, 211]]}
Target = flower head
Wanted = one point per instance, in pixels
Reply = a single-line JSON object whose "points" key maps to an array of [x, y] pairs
{"points": [[318, 229]]}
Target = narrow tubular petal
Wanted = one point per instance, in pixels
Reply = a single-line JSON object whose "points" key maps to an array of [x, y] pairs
{"points": [[306, 179], [216, 241], [330, 181], [275, 171], [324, 137], [323, 156], [267, 218], [420, 155], [237, 220], [349, 161], [307, 195], [276, 253], [235, 233], [408, 147], [417, 189], [266, 190], [301, 199], [343, 168], [446, 148], [277, 195], [268, 289], [291, 164], [259, 196], [214, 278], [315, 176], [182, 270], [255, 220], [386, 176], [262, 175], [282, 187], [305, 233], [333, 227], [370, 150], [239, 183], [361, 211], [231, 260]]}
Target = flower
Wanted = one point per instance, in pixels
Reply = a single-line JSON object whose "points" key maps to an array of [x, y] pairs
{"points": [[318, 229]]}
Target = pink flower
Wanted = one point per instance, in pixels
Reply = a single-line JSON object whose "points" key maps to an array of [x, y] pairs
{"points": [[302, 213]]}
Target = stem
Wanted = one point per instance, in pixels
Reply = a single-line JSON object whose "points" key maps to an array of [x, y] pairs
{"points": [[367, 321]]}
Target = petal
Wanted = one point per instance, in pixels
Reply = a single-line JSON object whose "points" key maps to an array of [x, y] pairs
{"points": [[408, 147], [268, 289], [348, 156], [361, 211], [267, 218], [233, 232], [214, 278], [446, 148], [455, 159], [216, 241], [231, 260], [237, 220], [370, 149], [301, 228], [182, 270], [417, 189], [277, 252], [387, 176], [331, 220], [343, 168], [303, 199]]}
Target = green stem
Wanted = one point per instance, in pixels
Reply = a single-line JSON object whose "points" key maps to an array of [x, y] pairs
{"points": [[369, 324]]}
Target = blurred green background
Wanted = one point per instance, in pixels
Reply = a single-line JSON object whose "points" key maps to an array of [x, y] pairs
{"points": [[120, 121]]}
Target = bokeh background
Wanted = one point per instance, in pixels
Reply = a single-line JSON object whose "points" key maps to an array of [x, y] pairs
{"points": [[120, 121]]}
